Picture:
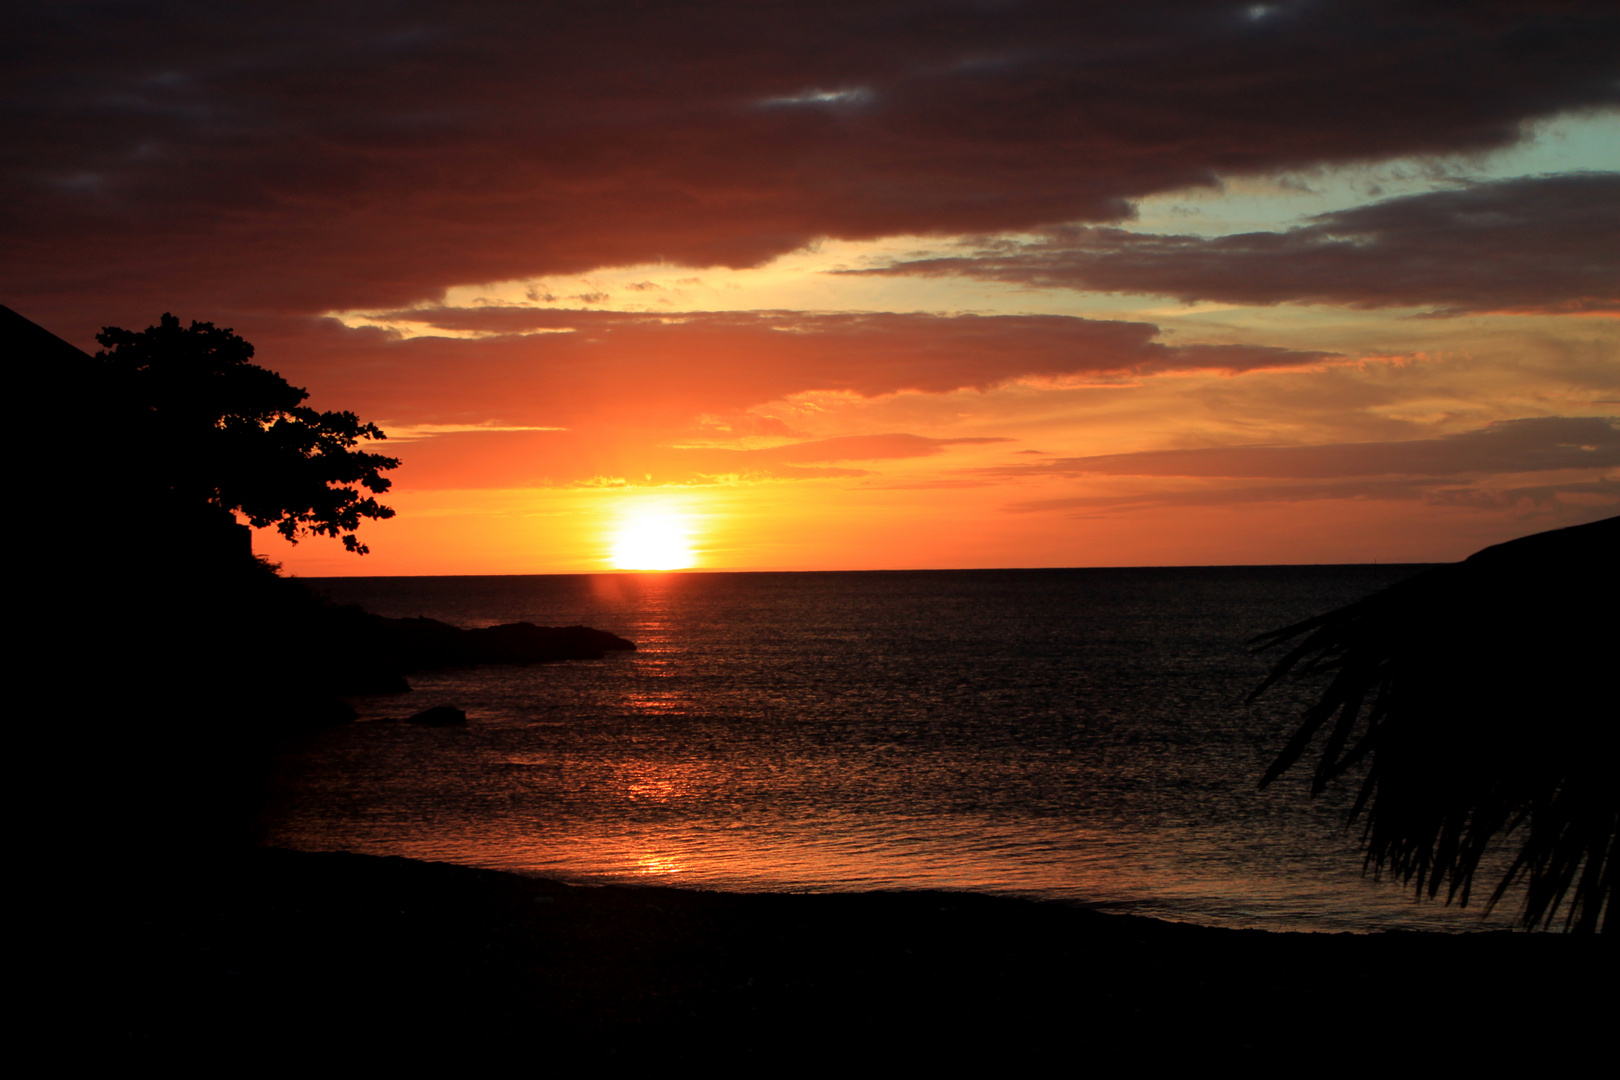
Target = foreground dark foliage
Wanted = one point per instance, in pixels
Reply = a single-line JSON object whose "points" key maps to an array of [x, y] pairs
{"points": [[1480, 697]]}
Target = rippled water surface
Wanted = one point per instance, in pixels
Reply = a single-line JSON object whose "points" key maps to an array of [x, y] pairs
{"points": [[1069, 734]]}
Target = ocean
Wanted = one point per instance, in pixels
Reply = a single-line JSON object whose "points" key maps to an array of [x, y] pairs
{"points": [[1071, 735]]}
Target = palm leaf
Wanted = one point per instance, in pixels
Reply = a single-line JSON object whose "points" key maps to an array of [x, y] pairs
{"points": [[1481, 696]]}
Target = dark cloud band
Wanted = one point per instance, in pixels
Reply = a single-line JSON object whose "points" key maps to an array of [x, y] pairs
{"points": [[1536, 444], [1571, 502], [1539, 244], [1474, 469], [305, 157]]}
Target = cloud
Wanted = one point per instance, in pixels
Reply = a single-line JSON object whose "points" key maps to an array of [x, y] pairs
{"points": [[507, 459], [301, 157], [1591, 500], [1579, 501], [1537, 444], [1228, 496], [1538, 244], [846, 448], [659, 372], [1602, 492], [1473, 469]]}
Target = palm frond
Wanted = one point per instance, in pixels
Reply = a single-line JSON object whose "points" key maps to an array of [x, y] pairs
{"points": [[1482, 697]]}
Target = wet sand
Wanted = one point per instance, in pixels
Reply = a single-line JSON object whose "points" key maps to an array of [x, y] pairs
{"points": [[282, 956]]}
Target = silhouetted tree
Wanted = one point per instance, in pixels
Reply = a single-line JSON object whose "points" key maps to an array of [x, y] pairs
{"points": [[178, 663], [203, 429], [1481, 698]]}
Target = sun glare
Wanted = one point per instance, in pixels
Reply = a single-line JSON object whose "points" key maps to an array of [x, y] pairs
{"points": [[653, 539]]}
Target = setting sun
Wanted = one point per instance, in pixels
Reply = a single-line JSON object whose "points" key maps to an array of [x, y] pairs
{"points": [[653, 539]]}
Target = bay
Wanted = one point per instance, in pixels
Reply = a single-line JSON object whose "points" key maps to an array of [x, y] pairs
{"points": [[1074, 735]]}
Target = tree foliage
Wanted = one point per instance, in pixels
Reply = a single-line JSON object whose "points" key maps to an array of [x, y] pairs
{"points": [[208, 428], [1479, 698]]}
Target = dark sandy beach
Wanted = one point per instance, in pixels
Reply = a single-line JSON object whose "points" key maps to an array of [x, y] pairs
{"points": [[305, 957]]}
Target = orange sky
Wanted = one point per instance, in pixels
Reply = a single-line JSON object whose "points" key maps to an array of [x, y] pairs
{"points": [[959, 288]]}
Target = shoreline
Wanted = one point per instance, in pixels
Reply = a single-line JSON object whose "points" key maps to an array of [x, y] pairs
{"points": [[340, 953]]}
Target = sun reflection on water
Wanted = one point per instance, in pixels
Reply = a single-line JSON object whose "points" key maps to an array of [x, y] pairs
{"points": [[658, 864], [667, 704], [648, 782]]}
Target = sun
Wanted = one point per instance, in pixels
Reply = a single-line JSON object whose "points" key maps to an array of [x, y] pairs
{"points": [[649, 539]]}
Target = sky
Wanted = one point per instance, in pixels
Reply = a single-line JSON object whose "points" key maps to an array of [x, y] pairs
{"points": [[797, 286]]}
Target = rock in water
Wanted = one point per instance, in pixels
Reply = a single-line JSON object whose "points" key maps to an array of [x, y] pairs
{"points": [[526, 643], [439, 716]]}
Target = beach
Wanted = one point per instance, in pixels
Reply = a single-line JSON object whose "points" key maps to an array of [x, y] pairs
{"points": [[299, 957]]}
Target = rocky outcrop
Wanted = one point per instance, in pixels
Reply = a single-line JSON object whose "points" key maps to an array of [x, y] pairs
{"points": [[420, 643], [439, 716], [377, 653]]}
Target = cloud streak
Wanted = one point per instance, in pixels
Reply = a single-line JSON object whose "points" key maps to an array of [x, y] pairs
{"points": [[661, 371], [1536, 444], [522, 459], [1589, 499], [1453, 470], [1538, 244]]}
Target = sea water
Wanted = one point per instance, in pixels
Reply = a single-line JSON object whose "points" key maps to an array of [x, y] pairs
{"points": [[1075, 735]]}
